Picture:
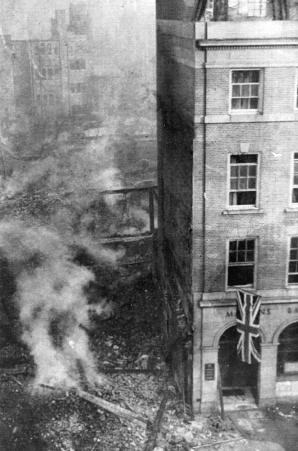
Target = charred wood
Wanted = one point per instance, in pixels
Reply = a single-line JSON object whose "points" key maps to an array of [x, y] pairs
{"points": [[155, 428]]}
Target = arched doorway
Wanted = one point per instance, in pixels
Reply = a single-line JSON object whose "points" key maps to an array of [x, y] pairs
{"points": [[236, 376], [287, 352]]}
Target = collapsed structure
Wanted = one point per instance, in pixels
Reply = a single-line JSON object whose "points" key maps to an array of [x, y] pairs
{"points": [[228, 191], [55, 76]]}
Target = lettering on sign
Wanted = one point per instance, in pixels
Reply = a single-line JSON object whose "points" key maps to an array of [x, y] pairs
{"points": [[209, 371], [293, 310], [264, 311]]}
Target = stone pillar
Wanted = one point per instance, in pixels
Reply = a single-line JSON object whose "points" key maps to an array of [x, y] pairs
{"points": [[267, 374], [209, 386], [197, 360]]}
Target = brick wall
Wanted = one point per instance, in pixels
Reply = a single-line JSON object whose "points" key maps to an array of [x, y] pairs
{"points": [[175, 9], [176, 102], [272, 133], [175, 136], [275, 145]]}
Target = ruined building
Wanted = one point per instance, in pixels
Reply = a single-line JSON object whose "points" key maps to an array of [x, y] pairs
{"points": [[51, 77], [228, 190]]}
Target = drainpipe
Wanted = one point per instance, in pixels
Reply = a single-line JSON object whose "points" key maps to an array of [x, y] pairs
{"points": [[198, 309], [204, 152]]}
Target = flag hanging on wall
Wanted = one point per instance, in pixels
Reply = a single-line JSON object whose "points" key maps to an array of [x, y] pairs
{"points": [[248, 318]]}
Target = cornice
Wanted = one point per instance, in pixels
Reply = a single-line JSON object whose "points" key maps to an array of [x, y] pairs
{"points": [[218, 44]]}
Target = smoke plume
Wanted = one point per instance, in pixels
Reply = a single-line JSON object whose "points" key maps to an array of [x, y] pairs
{"points": [[52, 302]]}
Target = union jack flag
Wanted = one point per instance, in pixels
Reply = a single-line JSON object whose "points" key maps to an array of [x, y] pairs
{"points": [[248, 316]]}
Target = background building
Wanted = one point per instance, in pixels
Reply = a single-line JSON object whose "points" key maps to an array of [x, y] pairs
{"points": [[7, 94], [51, 76], [228, 159]]}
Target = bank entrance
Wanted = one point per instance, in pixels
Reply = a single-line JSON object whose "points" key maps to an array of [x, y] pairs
{"points": [[238, 379]]}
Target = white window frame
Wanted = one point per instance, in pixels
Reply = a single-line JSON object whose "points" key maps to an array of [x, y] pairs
{"points": [[259, 108], [296, 91], [290, 284], [243, 207], [253, 285], [292, 185], [262, 10]]}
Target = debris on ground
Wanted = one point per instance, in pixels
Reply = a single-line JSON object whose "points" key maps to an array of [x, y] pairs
{"points": [[128, 350]]}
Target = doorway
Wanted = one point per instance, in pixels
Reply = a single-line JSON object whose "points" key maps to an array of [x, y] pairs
{"points": [[238, 379]]}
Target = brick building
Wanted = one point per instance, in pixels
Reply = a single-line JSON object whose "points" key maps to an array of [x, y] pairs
{"points": [[228, 190]]}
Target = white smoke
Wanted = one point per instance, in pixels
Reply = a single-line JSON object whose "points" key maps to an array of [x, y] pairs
{"points": [[51, 298]]}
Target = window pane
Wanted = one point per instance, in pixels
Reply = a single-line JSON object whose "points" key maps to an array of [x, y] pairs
{"points": [[233, 245], [241, 275], [247, 76], [243, 183], [247, 158], [236, 104], [250, 256], [251, 182], [254, 76], [233, 199], [243, 171], [245, 91], [236, 91], [234, 171], [244, 104], [241, 256], [293, 267], [232, 257], [254, 103], [242, 245], [250, 244], [293, 278], [252, 170], [234, 183], [294, 242], [254, 90], [237, 76], [294, 255], [246, 198], [295, 195]]}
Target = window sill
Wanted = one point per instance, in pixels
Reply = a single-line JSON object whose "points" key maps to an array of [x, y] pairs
{"points": [[293, 209], [287, 377], [244, 211], [240, 112], [240, 287]]}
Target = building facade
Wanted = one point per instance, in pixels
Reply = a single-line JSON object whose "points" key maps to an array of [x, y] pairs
{"points": [[51, 76], [228, 185], [7, 94]]}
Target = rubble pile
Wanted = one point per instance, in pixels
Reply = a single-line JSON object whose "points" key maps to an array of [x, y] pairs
{"points": [[128, 350]]}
